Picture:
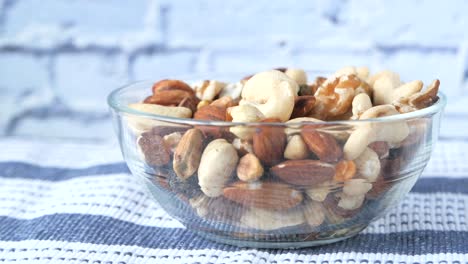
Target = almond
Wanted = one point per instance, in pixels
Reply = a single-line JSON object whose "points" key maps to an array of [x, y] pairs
{"points": [[249, 168], [304, 172], [345, 170], [190, 103], [169, 97], [322, 144], [154, 149], [188, 153], [170, 92], [171, 85], [266, 195], [166, 130], [211, 113], [269, 142], [303, 105]]}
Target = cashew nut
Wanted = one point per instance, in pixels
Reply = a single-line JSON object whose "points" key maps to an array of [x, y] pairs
{"points": [[403, 106], [199, 203], [406, 90], [357, 142], [297, 75], [171, 140], [232, 89], [296, 148], [388, 87], [264, 219], [361, 103], [320, 192], [249, 168], [141, 124], [349, 202], [392, 132], [347, 70], [244, 113], [202, 104], [218, 161], [384, 83], [362, 72], [356, 187], [411, 98], [314, 213], [271, 92], [379, 111], [368, 165], [208, 90]]}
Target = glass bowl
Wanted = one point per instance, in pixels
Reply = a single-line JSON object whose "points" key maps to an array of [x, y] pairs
{"points": [[319, 199]]}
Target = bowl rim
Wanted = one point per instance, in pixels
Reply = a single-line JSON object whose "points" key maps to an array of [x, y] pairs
{"points": [[115, 104]]}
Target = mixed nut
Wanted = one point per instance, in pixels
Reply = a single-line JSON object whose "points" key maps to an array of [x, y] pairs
{"points": [[261, 174]]}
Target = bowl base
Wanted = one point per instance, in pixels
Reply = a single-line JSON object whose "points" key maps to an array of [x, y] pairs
{"points": [[274, 244]]}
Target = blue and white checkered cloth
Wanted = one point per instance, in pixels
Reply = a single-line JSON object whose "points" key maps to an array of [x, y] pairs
{"points": [[63, 202]]}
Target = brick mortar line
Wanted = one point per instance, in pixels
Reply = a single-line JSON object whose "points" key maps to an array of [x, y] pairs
{"points": [[164, 48], [152, 50], [164, 11], [99, 49], [55, 109], [391, 49], [7, 4]]}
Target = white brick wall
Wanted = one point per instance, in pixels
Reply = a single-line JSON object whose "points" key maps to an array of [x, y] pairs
{"points": [[60, 58], [83, 80], [24, 83], [159, 65]]}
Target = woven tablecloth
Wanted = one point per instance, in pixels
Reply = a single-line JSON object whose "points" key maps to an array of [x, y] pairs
{"points": [[63, 202]]}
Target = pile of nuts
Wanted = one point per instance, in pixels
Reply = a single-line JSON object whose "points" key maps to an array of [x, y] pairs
{"points": [[261, 174]]}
